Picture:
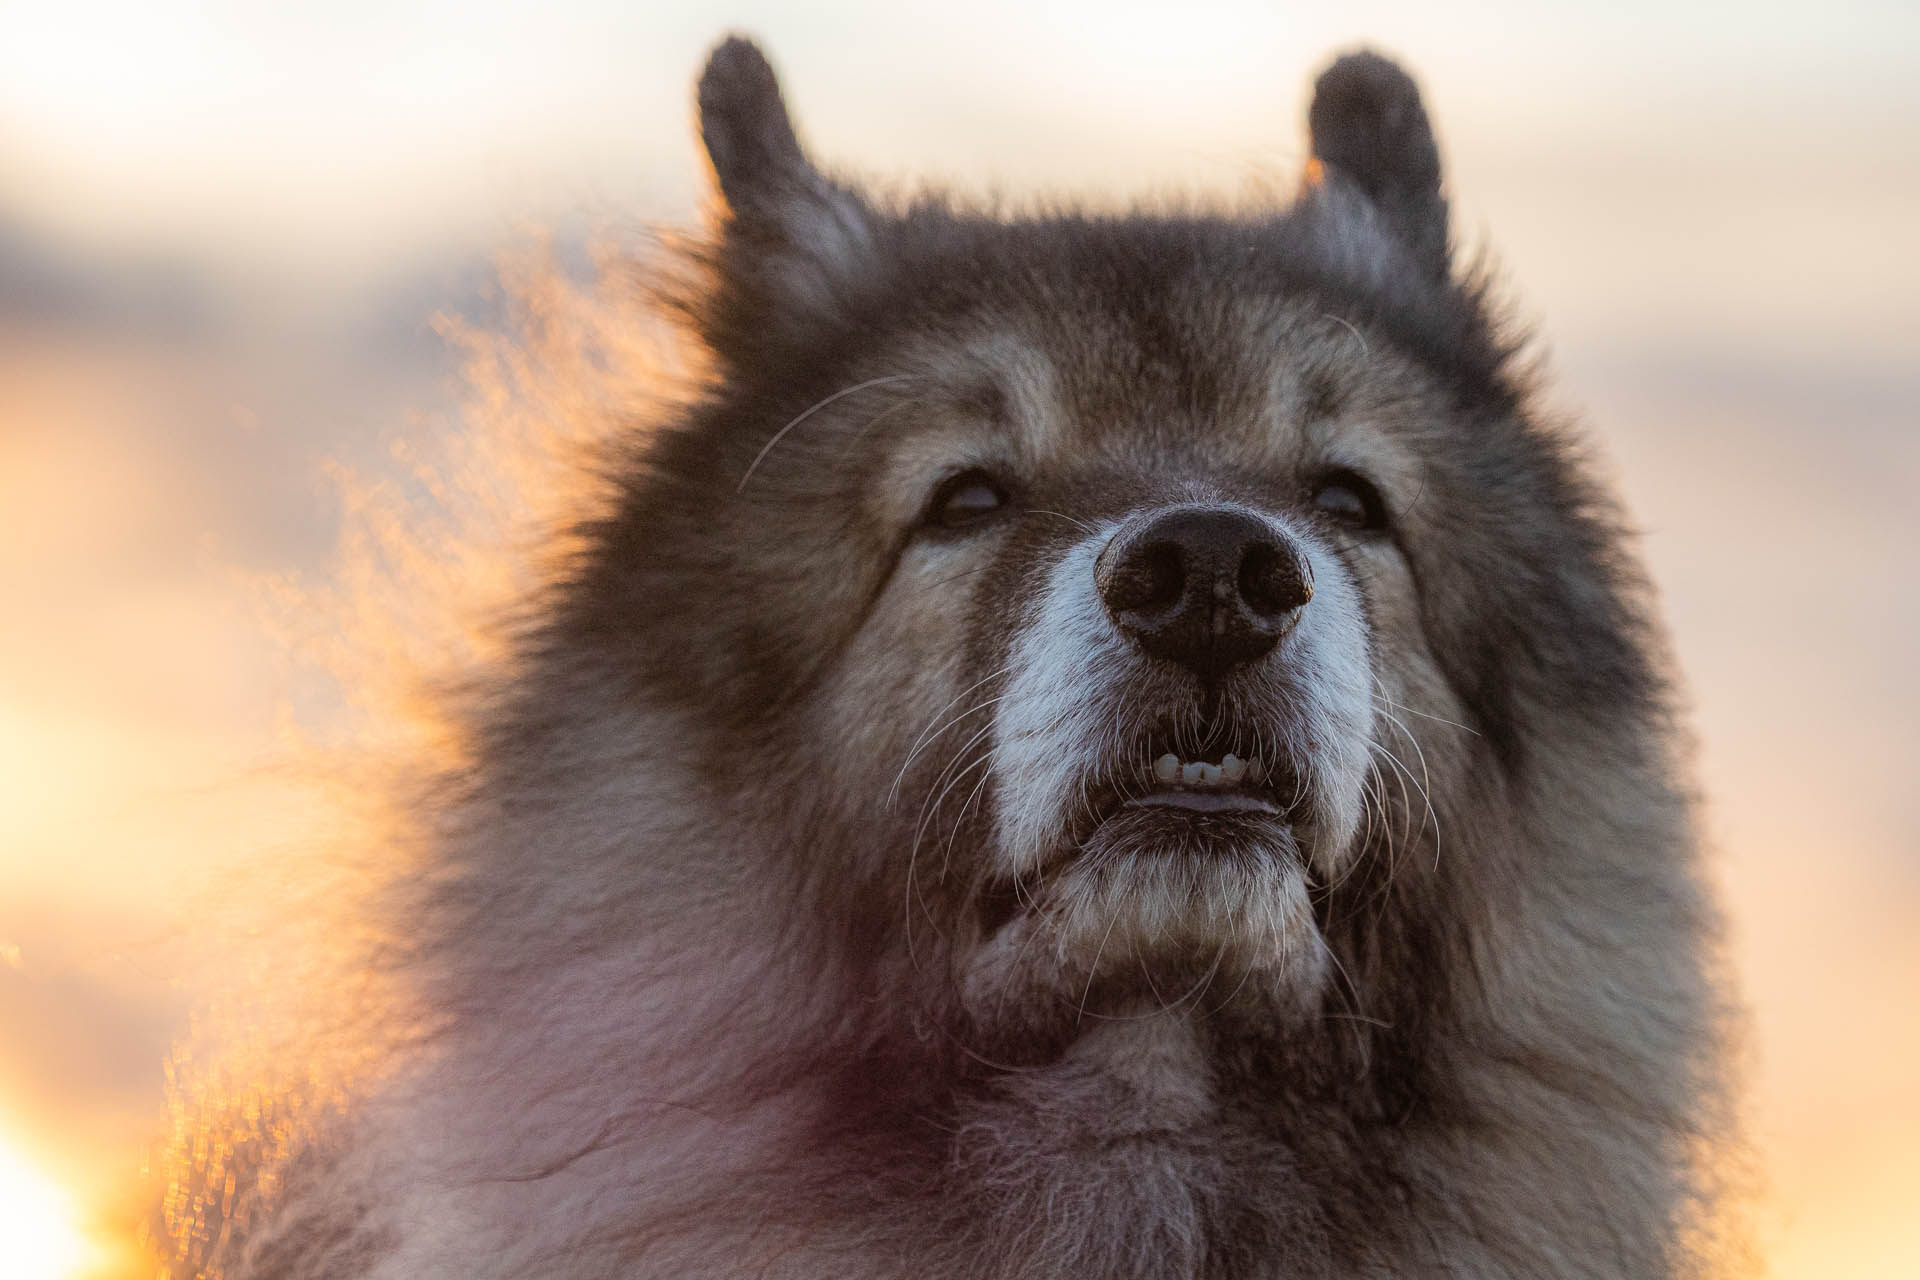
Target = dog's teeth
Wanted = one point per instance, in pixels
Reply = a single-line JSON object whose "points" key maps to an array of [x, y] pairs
{"points": [[1257, 769], [1232, 770]]}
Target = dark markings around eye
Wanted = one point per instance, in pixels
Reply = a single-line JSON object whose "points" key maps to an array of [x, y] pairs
{"points": [[963, 500], [1350, 499]]}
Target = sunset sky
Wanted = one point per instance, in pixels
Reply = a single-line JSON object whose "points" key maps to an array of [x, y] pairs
{"points": [[225, 229]]}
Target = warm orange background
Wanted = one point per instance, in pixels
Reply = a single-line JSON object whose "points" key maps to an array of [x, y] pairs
{"points": [[223, 231]]}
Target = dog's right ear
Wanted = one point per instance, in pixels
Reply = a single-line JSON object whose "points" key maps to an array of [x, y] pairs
{"points": [[791, 238]]}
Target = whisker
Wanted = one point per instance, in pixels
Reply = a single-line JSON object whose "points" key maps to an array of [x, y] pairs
{"points": [[1163, 1005], [1425, 785], [1382, 696], [808, 412], [931, 804], [1081, 525], [1351, 328], [913, 854], [923, 741], [946, 861], [1093, 970], [1401, 768]]}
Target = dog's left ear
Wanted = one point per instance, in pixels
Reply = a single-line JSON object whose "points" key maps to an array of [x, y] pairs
{"points": [[792, 238], [1369, 128]]}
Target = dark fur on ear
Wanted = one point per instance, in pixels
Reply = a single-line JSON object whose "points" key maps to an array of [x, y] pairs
{"points": [[749, 138], [793, 242], [1368, 125]]}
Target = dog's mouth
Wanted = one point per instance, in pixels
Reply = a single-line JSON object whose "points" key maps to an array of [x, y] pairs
{"points": [[1166, 781], [1165, 802], [1226, 783]]}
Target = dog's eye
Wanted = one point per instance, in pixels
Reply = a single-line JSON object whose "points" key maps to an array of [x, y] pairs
{"points": [[964, 499], [1351, 500]]}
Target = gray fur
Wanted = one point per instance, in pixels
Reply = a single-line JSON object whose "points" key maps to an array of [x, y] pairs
{"points": [[782, 921]]}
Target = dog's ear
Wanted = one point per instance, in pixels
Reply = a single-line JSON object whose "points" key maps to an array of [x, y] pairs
{"points": [[744, 124], [1369, 129], [790, 236]]}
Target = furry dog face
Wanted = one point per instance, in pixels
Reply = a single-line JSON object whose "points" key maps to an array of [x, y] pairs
{"points": [[1127, 581], [1118, 680]]}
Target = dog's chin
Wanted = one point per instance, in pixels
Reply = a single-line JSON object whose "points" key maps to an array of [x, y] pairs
{"points": [[1169, 904]]}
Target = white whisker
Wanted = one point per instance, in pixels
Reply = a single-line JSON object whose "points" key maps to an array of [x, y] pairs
{"points": [[808, 412]]}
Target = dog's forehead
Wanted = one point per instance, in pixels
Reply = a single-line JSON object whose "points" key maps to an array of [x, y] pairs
{"points": [[1066, 379]]}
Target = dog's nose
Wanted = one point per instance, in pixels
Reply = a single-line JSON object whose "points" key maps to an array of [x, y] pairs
{"points": [[1210, 588]]}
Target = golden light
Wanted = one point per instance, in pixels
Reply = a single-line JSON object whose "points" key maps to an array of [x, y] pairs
{"points": [[37, 1223]]}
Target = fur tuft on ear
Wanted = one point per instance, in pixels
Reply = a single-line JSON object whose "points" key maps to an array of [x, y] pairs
{"points": [[794, 241], [1368, 126]]}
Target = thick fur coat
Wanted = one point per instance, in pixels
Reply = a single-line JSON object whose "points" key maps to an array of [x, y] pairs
{"points": [[1095, 746]]}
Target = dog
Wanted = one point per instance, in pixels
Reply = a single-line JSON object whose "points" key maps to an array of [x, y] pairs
{"points": [[1093, 746]]}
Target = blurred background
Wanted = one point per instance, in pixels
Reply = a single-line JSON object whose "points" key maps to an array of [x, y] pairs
{"points": [[226, 229]]}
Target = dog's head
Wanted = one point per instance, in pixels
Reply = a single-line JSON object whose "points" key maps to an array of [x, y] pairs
{"points": [[1079, 603]]}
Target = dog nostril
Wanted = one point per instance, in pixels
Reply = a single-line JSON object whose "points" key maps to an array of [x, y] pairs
{"points": [[1274, 580], [1151, 579]]}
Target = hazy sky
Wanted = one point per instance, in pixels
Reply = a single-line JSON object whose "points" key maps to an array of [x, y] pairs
{"points": [[224, 228], [307, 138]]}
